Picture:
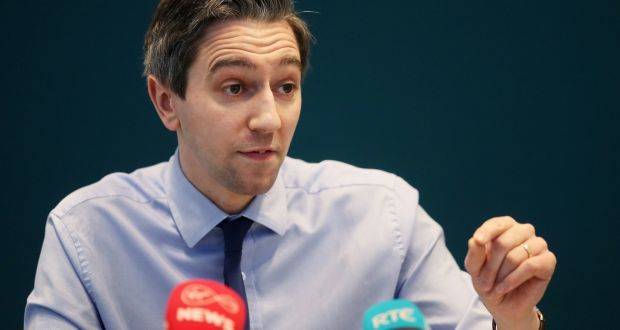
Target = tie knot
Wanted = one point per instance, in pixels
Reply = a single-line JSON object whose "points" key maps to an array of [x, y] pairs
{"points": [[234, 232]]}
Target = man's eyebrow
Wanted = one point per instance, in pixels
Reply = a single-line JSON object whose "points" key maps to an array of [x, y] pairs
{"points": [[232, 62], [243, 63], [291, 60]]}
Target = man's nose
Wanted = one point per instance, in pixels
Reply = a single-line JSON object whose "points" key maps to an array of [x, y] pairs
{"points": [[265, 118]]}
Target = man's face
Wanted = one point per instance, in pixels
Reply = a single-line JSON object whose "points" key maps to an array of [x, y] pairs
{"points": [[241, 107]]}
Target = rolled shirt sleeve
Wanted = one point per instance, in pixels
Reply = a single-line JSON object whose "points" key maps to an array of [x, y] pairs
{"points": [[430, 277]]}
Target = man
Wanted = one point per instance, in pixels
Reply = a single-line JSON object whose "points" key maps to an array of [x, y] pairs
{"points": [[324, 241]]}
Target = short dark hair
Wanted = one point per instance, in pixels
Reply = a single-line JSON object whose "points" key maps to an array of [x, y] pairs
{"points": [[171, 41]]}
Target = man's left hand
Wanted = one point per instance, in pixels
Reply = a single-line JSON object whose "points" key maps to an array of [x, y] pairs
{"points": [[510, 268]]}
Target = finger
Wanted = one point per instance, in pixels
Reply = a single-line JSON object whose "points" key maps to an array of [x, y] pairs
{"points": [[540, 267], [518, 254], [493, 228], [500, 246], [475, 258], [524, 297]]}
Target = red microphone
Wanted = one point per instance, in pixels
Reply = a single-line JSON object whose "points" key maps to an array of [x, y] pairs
{"points": [[200, 304]]}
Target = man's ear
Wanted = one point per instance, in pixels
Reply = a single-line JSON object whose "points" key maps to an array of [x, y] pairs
{"points": [[162, 98]]}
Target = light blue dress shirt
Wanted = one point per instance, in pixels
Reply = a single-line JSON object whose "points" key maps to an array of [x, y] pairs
{"points": [[329, 241]]}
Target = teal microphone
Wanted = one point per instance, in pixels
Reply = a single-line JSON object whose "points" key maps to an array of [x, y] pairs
{"points": [[394, 314]]}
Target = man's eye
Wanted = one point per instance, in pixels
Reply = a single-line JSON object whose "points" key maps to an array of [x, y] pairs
{"points": [[235, 89], [287, 88]]}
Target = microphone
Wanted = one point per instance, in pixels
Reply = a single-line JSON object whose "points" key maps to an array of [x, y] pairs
{"points": [[394, 314], [200, 304]]}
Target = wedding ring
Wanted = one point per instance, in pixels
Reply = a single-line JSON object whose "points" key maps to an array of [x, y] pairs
{"points": [[527, 249]]}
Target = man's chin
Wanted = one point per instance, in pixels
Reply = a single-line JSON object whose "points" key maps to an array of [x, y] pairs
{"points": [[254, 189], [255, 185], [254, 180]]}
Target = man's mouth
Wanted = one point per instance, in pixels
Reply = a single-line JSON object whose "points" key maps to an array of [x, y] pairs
{"points": [[259, 154]]}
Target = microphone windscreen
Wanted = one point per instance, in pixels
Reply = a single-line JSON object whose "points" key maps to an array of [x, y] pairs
{"points": [[394, 314], [201, 304]]}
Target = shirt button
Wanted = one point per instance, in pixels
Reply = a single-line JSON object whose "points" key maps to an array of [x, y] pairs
{"points": [[243, 275]]}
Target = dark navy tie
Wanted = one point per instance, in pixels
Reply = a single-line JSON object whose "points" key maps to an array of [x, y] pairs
{"points": [[234, 232]]}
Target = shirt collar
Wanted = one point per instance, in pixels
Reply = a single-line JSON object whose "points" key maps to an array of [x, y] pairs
{"points": [[195, 214]]}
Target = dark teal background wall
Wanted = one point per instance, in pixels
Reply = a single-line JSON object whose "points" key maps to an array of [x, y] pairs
{"points": [[487, 107]]}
